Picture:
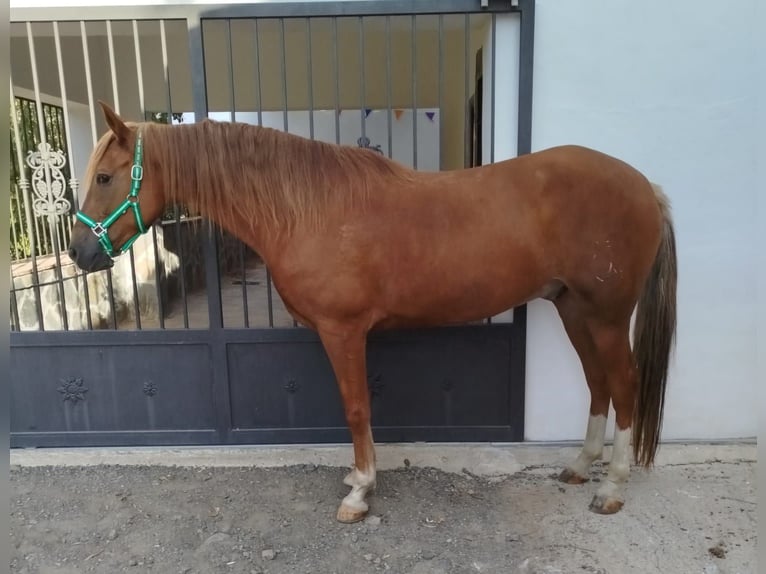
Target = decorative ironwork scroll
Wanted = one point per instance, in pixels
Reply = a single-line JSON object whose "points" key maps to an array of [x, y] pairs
{"points": [[48, 182]]}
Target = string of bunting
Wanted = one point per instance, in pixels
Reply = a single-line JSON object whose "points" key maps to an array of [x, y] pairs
{"points": [[398, 112]]}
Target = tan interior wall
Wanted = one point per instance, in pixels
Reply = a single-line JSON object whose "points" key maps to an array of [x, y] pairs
{"points": [[245, 73]]}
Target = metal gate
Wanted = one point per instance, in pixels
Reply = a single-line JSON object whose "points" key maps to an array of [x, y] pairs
{"points": [[185, 340]]}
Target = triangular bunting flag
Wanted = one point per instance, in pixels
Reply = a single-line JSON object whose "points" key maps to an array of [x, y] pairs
{"points": [[367, 112], [398, 113], [431, 115]]}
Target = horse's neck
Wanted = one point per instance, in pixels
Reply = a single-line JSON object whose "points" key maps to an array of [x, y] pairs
{"points": [[260, 237]]}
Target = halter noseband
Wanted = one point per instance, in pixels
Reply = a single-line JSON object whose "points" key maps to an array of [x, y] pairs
{"points": [[100, 228]]}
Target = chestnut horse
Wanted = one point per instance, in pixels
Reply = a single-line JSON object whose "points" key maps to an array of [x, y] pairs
{"points": [[356, 242]]}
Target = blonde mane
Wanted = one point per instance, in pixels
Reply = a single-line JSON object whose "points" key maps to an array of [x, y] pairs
{"points": [[226, 170]]}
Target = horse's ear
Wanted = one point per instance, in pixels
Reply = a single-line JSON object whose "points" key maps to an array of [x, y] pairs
{"points": [[115, 123]]}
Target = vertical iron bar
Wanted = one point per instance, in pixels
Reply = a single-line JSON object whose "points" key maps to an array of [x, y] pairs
{"points": [[336, 76], [142, 106], [467, 127], [269, 294], [414, 94], [14, 303], [14, 215], [388, 86], [258, 73], [30, 143], [24, 185], [94, 136], [362, 86], [284, 117], [232, 118], [115, 91], [283, 69], [492, 100], [210, 245], [524, 146], [441, 89], [44, 138], [176, 210], [492, 94], [310, 77], [70, 153]]}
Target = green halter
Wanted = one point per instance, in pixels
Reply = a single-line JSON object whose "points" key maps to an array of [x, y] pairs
{"points": [[100, 228]]}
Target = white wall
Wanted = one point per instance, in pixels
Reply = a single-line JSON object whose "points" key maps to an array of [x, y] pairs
{"points": [[671, 88]]}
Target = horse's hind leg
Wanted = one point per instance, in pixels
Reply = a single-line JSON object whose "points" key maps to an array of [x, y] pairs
{"points": [[571, 311], [613, 348], [346, 350]]}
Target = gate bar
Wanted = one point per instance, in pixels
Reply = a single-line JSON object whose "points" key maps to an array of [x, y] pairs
{"points": [[70, 152], [176, 209], [440, 89], [336, 76], [115, 92], [142, 106], [24, 185], [526, 64], [388, 87], [94, 136], [362, 85], [42, 127], [233, 118], [414, 71], [269, 294], [467, 126], [310, 77], [16, 322], [215, 331], [283, 67], [26, 119]]}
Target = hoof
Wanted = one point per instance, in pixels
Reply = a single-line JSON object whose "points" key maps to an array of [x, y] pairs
{"points": [[348, 515], [571, 477], [605, 505]]}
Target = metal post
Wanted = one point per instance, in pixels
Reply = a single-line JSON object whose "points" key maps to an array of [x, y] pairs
{"points": [[210, 248], [526, 55]]}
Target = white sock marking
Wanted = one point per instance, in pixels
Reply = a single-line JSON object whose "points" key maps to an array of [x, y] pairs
{"points": [[619, 466], [360, 482], [593, 446]]}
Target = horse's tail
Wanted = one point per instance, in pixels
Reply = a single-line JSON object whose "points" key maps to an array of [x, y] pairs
{"points": [[654, 334]]}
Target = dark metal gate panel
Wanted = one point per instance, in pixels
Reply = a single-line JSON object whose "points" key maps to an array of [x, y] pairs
{"points": [[222, 362], [444, 384]]}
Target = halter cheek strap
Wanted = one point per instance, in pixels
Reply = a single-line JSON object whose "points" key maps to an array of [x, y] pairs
{"points": [[100, 228]]}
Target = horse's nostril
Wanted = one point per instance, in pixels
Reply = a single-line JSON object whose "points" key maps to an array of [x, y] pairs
{"points": [[73, 253]]}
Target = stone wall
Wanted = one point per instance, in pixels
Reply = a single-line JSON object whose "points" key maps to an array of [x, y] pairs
{"points": [[75, 303]]}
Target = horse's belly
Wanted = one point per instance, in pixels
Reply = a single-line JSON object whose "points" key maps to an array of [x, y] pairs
{"points": [[459, 297]]}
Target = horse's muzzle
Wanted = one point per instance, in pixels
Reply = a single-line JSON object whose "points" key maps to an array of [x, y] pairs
{"points": [[87, 254]]}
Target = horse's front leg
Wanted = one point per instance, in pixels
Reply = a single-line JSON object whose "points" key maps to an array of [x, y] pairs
{"points": [[346, 349]]}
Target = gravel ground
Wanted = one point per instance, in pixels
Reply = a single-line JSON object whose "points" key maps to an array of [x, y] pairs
{"points": [[681, 518]]}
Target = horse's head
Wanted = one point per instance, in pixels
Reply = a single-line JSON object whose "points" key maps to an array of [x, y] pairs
{"points": [[121, 200]]}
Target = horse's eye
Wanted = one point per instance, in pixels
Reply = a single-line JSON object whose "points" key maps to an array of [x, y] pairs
{"points": [[103, 179]]}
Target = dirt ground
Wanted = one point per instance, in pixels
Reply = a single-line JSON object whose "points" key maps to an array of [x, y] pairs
{"points": [[691, 518]]}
